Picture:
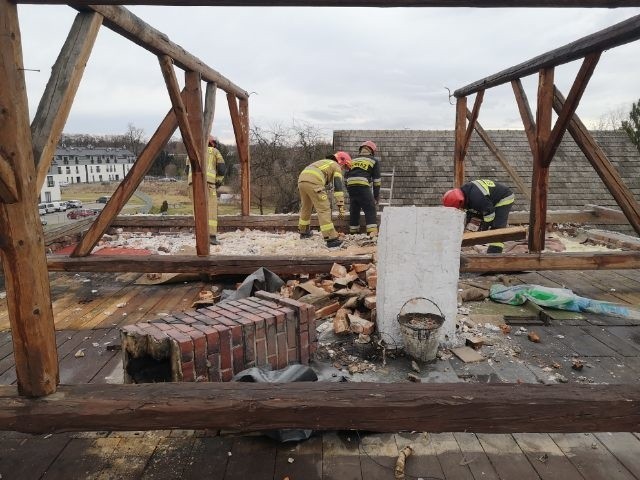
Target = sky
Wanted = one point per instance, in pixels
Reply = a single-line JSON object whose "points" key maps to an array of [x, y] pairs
{"points": [[331, 68]]}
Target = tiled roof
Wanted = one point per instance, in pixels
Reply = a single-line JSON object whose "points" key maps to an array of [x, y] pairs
{"points": [[423, 161]]}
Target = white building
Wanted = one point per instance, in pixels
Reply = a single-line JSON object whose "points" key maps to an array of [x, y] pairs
{"points": [[85, 165]]}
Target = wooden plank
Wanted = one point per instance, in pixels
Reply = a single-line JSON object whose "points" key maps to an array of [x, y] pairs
{"points": [[460, 132], [507, 457], [378, 455], [83, 369], [340, 456], [540, 181], [169, 459], [209, 458], [590, 457], [240, 122], [546, 457], [23, 258], [452, 460], [262, 452], [526, 191], [129, 184], [497, 235], [85, 455], [367, 406], [580, 341], [525, 113], [569, 108], [129, 458], [603, 167], [31, 457], [213, 264], [613, 36], [307, 460], [57, 99], [363, 3], [624, 446], [475, 457], [8, 187], [424, 461], [549, 261]]}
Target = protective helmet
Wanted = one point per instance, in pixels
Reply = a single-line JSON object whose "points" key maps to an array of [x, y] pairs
{"points": [[453, 198], [343, 159], [212, 141], [372, 146]]}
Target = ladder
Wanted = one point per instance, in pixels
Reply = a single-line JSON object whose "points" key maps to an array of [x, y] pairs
{"points": [[386, 193]]}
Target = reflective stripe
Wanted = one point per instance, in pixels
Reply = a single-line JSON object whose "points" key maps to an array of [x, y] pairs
{"points": [[484, 185], [337, 175], [489, 218], [377, 182], [325, 165], [338, 194], [506, 201], [354, 229], [304, 223], [358, 181], [213, 223], [372, 228], [326, 227], [496, 244], [320, 175], [363, 163]]}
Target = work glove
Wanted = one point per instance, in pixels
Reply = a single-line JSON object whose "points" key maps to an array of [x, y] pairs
{"points": [[341, 212]]}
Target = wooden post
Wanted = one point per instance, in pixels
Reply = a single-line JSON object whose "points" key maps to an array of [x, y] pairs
{"points": [[61, 89], [473, 118], [240, 121], [209, 110], [540, 180], [461, 131], [21, 237], [193, 104], [605, 169]]}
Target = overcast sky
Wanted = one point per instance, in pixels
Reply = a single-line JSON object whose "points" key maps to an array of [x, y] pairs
{"points": [[347, 68]]}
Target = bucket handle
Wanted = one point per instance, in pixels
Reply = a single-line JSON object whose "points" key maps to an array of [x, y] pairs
{"points": [[419, 298]]}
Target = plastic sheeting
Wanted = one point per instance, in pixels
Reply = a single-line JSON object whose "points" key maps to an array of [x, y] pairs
{"points": [[559, 298], [261, 279]]}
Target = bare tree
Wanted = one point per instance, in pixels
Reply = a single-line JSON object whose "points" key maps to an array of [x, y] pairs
{"points": [[612, 120], [134, 138]]}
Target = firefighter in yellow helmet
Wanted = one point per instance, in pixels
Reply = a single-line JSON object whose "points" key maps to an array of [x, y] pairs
{"points": [[312, 184], [215, 170]]}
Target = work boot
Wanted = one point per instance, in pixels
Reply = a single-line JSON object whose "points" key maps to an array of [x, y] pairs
{"points": [[213, 240], [334, 242], [494, 249], [305, 235]]}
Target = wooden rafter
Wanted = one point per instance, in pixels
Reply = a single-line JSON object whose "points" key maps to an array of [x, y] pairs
{"points": [[614, 36], [540, 178], [525, 113], [8, 187], [526, 191], [460, 134], [57, 99], [568, 110], [23, 254], [240, 121], [384, 407], [362, 3], [128, 185], [209, 109], [605, 169]]}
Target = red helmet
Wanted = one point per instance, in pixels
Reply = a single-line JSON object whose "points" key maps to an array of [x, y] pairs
{"points": [[212, 141], [453, 198], [372, 146], [343, 159]]}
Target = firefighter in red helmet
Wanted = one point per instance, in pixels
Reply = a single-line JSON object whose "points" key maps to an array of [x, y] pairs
{"points": [[312, 184], [488, 201], [363, 185]]}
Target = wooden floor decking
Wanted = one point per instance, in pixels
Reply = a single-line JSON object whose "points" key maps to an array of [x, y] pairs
{"points": [[89, 308]]}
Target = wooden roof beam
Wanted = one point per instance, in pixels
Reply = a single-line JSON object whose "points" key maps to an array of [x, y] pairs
{"points": [[360, 3], [130, 26], [8, 187], [614, 36]]}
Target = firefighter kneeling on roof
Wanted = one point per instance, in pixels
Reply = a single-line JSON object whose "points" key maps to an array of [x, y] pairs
{"points": [[312, 184], [487, 203]]}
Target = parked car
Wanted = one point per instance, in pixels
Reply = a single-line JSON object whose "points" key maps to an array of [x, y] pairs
{"points": [[74, 204], [42, 208], [50, 207], [80, 213], [103, 199]]}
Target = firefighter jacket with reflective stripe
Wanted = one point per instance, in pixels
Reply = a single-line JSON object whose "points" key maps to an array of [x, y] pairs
{"points": [[325, 172], [365, 171], [216, 168], [481, 197]]}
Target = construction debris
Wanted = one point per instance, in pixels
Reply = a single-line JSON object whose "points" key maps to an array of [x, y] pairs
{"points": [[405, 453], [467, 354]]}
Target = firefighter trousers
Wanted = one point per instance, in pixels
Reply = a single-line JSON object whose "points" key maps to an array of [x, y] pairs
{"points": [[361, 198], [212, 207], [315, 196], [501, 221]]}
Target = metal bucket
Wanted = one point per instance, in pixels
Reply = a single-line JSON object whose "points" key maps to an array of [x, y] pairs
{"points": [[418, 331]]}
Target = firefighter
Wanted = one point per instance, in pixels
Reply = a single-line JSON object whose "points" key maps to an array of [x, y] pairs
{"points": [[363, 175], [215, 170], [487, 204], [312, 184]]}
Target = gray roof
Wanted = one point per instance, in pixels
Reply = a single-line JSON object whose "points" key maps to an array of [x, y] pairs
{"points": [[423, 161], [85, 153]]}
